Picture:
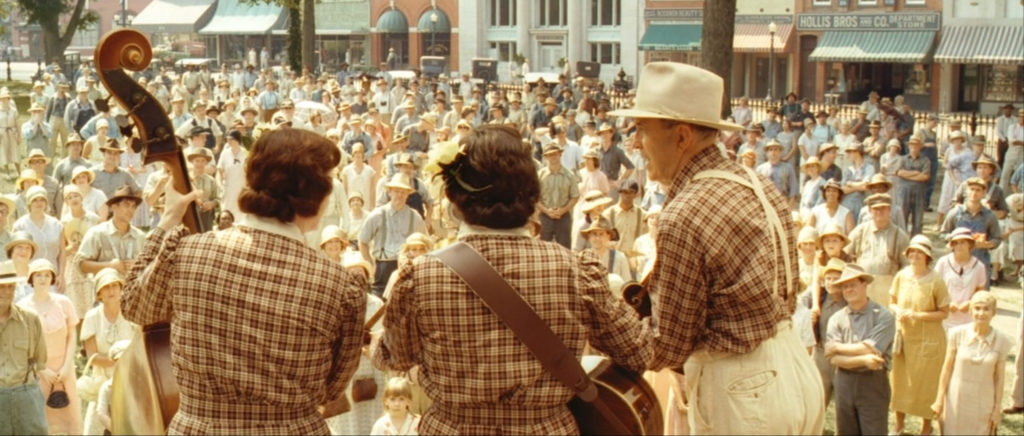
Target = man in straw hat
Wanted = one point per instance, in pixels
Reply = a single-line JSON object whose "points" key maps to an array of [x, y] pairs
{"points": [[23, 358], [62, 170], [859, 343], [741, 319], [79, 111], [877, 245], [912, 172], [37, 161], [559, 193], [995, 197], [386, 228], [109, 175], [973, 215], [114, 243]]}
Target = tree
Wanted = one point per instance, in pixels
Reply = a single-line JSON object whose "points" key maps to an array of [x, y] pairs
{"points": [[47, 14], [301, 30], [716, 43]]}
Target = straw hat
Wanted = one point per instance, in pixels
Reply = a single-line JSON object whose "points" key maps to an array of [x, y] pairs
{"points": [[8, 276], [404, 159], [813, 160], [36, 107], [71, 189], [354, 195], [352, 259], [34, 193], [984, 159], [773, 144], [29, 174], [40, 265], [879, 179], [960, 234], [893, 143], [20, 237], [400, 138], [417, 238], [826, 147], [74, 139], [330, 233], [832, 229], [834, 264], [832, 184], [807, 235], [112, 145], [958, 135], [106, 277], [36, 154], [6, 200], [199, 151], [853, 271], [550, 102], [123, 193], [79, 170], [593, 199], [600, 224], [920, 243], [553, 148], [400, 181], [978, 139], [856, 147], [977, 181], [674, 91]]}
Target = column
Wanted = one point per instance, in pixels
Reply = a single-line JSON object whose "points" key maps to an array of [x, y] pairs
{"points": [[472, 16], [576, 37], [632, 17], [523, 23]]}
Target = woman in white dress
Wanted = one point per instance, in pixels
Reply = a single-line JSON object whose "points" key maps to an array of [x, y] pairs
{"points": [[831, 211], [46, 231], [231, 171], [359, 177], [964, 275], [10, 138], [77, 285], [102, 328], [93, 200], [92, 152]]}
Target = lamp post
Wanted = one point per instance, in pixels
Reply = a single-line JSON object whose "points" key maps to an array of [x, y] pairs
{"points": [[124, 13], [433, 31], [772, 28]]}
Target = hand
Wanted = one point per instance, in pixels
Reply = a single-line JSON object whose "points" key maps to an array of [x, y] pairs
{"points": [[830, 349], [120, 265], [995, 419], [48, 376], [815, 314], [903, 315], [937, 407], [875, 362], [175, 205]]}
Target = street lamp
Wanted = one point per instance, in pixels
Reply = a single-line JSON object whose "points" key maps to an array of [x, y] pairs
{"points": [[772, 28], [433, 31]]}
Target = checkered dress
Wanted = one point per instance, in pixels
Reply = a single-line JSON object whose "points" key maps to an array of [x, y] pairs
{"points": [[712, 282], [264, 329], [482, 379]]}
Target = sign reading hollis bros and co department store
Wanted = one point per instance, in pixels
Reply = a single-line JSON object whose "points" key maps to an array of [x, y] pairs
{"points": [[891, 21]]}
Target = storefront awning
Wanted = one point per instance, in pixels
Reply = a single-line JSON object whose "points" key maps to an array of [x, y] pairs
{"points": [[173, 16], [234, 18], [755, 38], [981, 44], [671, 37], [429, 25], [877, 46], [393, 21]]}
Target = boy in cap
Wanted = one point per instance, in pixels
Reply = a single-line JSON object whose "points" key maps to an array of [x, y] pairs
{"points": [[780, 173], [859, 344], [386, 229], [753, 142], [559, 192], [199, 158], [627, 218], [982, 222]]}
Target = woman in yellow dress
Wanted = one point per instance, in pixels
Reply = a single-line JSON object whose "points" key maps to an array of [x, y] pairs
{"points": [[920, 301]]}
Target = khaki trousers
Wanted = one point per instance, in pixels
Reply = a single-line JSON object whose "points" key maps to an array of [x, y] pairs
{"points": [[774, 389]]}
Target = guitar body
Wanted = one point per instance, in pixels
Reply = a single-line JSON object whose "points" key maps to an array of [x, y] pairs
{"points": [[627, 395], [145, 393]]}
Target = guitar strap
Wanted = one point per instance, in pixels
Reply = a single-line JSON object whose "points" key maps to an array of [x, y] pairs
{"points": [[498, 295]]}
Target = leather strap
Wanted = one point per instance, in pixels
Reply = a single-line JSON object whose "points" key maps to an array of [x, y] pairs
{"points": [[517, 314], [498, 295]]}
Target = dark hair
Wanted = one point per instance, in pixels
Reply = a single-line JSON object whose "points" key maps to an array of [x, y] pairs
{"points": [[288, 174], [493, 182]]}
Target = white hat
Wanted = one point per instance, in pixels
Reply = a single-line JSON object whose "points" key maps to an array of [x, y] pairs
{"points": [[674, 91]]}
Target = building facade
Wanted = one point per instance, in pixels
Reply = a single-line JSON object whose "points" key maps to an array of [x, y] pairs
{"points": [[848, 48], [27, 40], [980, 55], [412, 29]]}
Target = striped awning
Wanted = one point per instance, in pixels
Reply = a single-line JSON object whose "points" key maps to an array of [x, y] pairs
{"points": [[235, 18], [671, 37], [981, 44], [755, 38], [876, 46], [173, 16]]}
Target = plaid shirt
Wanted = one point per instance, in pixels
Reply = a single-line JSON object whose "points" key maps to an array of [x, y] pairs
{"points": [[263, 329], [711, 286], [480, 376]]}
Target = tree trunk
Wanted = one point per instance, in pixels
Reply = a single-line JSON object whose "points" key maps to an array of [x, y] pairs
{"points": [[52, 47], [308, 35], [294, 39], [716, 43]]}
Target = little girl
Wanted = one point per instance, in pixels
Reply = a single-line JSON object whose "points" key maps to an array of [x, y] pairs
{"points": [[397, 420]]}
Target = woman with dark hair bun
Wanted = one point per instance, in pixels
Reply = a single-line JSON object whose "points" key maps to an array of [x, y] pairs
{"points": [[264, 329], [480, 377]]}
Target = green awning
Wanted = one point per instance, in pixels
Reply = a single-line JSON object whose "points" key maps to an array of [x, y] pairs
{"points": [[427, 24], [393, 21], [234, 18], [887, 46], [671, 37]]}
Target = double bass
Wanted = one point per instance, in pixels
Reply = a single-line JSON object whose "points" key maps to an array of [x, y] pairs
{"points": [[144, 397]]}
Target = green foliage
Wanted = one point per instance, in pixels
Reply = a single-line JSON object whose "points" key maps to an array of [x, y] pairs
{"points": [[47, 13]]}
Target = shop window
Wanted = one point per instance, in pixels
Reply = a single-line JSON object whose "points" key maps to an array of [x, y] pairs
{"points": [[605, 12], [917, 80], [914, 2], [1001, 82], [605, 53], [867, 2], [503, 12], [503, 51], [86, 36], [822, 2]]}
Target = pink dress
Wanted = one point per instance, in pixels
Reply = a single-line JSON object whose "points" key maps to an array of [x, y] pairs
{"points": [[961, 282], [56, 316]]}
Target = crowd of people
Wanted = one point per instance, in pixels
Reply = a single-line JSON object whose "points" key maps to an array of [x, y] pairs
{"points": [[878, 305]]}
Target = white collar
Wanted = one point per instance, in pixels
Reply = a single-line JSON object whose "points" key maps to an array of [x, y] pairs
{"points": [[271, 225], [471, 230]]}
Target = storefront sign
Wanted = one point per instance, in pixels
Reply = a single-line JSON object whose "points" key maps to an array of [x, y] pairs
{"points": [[895, 21], [674, 14]]}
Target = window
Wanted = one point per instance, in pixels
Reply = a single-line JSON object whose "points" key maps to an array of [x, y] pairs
{"points": [[605, 12], [914, 2], [86, 36], [605, 53], [867, 2], [822, 2], [552, 12], [503, 51], [503, 12]]}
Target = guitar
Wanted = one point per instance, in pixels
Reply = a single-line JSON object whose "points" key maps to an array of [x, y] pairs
{"points": [[145, 394], [623, 396]]}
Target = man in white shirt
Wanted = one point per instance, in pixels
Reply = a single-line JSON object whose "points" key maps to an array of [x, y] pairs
{"points": [[1003, 123], [1015, 152]]}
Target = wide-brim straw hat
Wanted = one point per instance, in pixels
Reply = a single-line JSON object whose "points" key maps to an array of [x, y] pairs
{"points": [[6, 200], [601, 224], [36, 154], [826, 147], [832, 184], [851, 272], [773, 144], [400, 181], [20, 237], [199, 151], [79, 170], [832, 229], [106, 277], [74, 139], [28, 174], [675, 91], [834, 264], [957, 134], [960, 234], [593, 199], [124, 193], [352, 259], [811, 161], [985, 159], [920, 243], [807, 235], [112, 145], [418, 238], [879, 179], [8, 275], [330, 233]]}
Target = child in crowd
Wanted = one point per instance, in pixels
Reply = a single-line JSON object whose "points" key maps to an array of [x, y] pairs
{"points": [[397, 419]]}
